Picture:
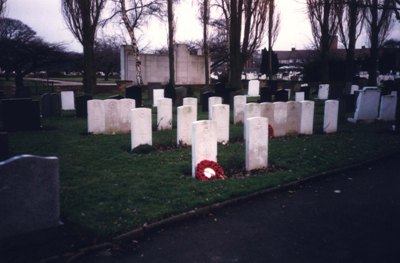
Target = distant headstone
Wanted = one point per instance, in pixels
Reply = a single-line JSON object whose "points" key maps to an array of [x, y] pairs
{"points": [[323, 91], [307, 117], [29, 196], [67, 100], [220, 114], [265, 95], [20, 114], [164, 114], [157, 94], [299, 96], [135, 93], [45, 105], [239, 102], [112, 116], [181, 93], [331, 112], [152, 86], [204, 142], [354, 88], [125, 107], [204, 100], [388, 106], [186, 115], [211, 102], [4, 149], [282, 95], [254, 88], [96, 117], [192, 102], [367, 105], [81, 105], [293, 117], [280, 118], [141, 133], [267, 111], [256, 143]]}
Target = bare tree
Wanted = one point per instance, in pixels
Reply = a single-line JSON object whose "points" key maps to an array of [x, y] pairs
{"points": [[324, 26], [379, 14], [245, 22], [82, 18], [2, 7], [171, 41], [351, 19], [273, 30], [205, 18]]}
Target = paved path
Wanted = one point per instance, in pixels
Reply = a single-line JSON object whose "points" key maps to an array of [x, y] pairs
{"points": [[350, 217]]}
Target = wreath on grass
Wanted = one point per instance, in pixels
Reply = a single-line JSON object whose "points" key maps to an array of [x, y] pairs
{"points": [[209, 170], [270, 131]]}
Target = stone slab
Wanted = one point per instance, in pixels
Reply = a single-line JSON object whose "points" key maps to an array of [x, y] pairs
{"points": [[256, 143]]}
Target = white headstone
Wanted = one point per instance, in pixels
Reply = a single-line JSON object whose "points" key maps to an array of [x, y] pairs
{"points": [[204, 142], [367, 105], [125, 107], [299, 96], [164, 114], [293, 117], [267, 111], [323, 91], [256, 143], [250, 110], [239, 101], [354, 88], [211, 102], [193, 102], [67, 100], [280, 118], [157, 94], [185, 117], [96, 116], [254, 88], [221, 118], [141, 127], [331, 112], [307, 117], [388, 106], [112, 115]]}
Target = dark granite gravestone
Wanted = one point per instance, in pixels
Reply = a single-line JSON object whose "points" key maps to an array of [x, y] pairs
{"points": [[181, 92], [29, 199], [306, 90], [81, 105], [265, 94], [55, 104], [282, 95], [45, 105], [204, 100], [4, 150], [134, 92], [349, 102], [20, 114]]}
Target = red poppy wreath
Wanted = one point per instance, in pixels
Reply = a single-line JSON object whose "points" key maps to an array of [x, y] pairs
{"points": [[209, 170]]}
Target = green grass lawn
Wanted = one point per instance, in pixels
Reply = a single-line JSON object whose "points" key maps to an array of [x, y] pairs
{"points": [[107, 190]]}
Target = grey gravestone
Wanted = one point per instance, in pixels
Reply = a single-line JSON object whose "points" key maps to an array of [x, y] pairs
{"points": [[29, 196], [181, 93], [282, 95], [4, 152], [306, 89], [81, 105], [20, 114], [56, 104], [134, 92], [45, 105]]}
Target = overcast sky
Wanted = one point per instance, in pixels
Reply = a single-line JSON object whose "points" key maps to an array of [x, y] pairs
{"points": [[44, 16]]}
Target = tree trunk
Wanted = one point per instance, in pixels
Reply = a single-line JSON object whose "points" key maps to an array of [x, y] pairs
{"points": [[20, 90], [353, 10], [89, 74], [171, 33], [235, 58], [373, 62], [325, 43], [206, 17], [270, 28]]}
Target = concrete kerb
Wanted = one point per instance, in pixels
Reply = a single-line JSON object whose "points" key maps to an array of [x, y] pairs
{"points": [[146, 229]]}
